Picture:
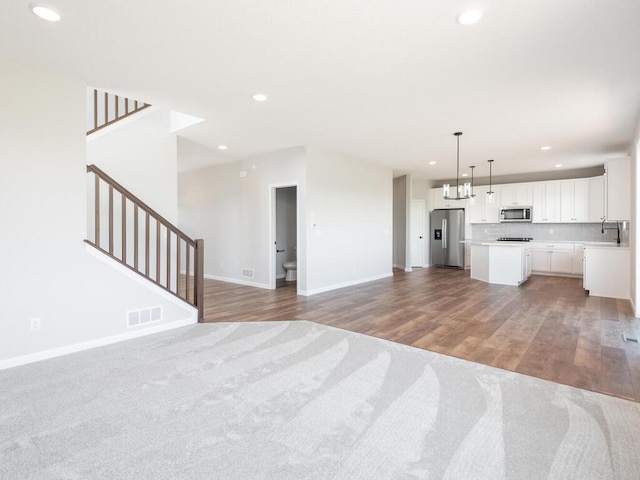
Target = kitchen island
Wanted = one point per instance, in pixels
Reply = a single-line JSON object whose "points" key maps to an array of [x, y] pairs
{"points": [[500, 263]]}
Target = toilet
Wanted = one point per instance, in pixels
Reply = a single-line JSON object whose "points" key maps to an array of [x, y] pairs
{"points": [[291, 268]]}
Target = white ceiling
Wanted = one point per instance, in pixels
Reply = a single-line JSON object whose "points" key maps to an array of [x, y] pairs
{"points": [[384, 80]]}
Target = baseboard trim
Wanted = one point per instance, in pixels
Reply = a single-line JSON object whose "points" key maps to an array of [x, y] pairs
{"points": [[238, 281], [308, 293], [402, 267], [99, 342]]}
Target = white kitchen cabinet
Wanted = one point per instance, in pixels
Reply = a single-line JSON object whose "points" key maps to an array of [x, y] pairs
{"points": [[546, 202], [480, 211], [574, 200], [618, 189], [596, 199], [577, 259], [607, 271], [516, 194], [437, 201], [552, 258]]}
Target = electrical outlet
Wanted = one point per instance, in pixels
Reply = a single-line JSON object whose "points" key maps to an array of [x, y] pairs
{"points": [[35, 324], [551, 231]]}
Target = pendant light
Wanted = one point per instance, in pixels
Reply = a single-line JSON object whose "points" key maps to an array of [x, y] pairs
{"points": [[461, 194], [490, 193], [472, 197]]}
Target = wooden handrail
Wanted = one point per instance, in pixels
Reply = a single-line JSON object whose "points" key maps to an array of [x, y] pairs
{"points": [[104, 101], [141, 205], [182, 244]]}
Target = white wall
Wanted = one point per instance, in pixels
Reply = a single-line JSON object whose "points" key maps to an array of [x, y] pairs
{"points": [[141, 154], [349, 216], [231, 213], [46, 272], [344, 223]]}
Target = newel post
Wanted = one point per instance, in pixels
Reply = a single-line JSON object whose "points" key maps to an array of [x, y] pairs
{"points": [[198, 273]]}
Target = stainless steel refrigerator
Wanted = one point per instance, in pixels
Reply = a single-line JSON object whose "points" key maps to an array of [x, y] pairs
{"points": [[447, 233]]}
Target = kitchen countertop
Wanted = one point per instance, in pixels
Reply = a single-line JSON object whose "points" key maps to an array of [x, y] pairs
{"points": [[607, 245], [586, 244]]}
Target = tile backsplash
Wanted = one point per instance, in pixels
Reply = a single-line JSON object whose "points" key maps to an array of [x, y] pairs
{"points": [[579, 232]]}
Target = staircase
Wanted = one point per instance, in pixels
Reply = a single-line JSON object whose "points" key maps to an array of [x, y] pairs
{"points": [[123, 227], [105, 109]]}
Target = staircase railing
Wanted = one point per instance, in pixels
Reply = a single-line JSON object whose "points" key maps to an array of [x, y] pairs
{"points": [[132, 233], [106, 109]]}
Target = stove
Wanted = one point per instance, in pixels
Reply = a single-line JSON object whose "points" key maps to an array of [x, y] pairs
{"points": [[514, 239]]}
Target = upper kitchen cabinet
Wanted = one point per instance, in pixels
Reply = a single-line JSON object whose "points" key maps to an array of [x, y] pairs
{"points": [[516, 194], [480, 211], [574, 201], [437, 201], [546, 202], [618, 189], [596, 199]]}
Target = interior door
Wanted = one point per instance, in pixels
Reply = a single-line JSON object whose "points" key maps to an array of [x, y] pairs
{"points": [[416, 231]]}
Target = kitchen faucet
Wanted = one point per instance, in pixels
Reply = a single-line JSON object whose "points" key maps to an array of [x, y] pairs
{"points": [[617, 227]]}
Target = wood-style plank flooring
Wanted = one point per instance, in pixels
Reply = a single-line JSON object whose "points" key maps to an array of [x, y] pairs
{"points": [[547, 328]]}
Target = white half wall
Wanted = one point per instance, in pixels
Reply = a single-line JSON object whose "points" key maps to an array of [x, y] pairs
{"points": [[349, 221], [46, 272], [228, 206]]}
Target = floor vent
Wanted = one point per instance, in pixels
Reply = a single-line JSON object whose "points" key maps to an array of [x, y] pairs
{"points": [[247, 272], [629, 339], [143, 316]]}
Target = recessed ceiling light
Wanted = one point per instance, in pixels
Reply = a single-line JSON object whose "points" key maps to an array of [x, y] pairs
{"points": [[465, 174], [558, 165], [432, 163], [222, 147], [469, 17], [45, 12], [260, 97], [547, 147]]}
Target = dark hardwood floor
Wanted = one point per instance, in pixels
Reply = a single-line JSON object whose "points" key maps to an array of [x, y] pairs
{"points": [[547, 328]]}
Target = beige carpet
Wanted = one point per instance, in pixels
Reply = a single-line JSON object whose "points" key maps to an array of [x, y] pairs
{"points": [[297, 400]]}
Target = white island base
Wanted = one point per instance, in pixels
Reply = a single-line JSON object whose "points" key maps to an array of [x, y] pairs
{"points": [[500, 263]]}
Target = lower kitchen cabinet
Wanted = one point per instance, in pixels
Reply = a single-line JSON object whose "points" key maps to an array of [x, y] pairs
{"points": [[552, 258], [607, 271]]}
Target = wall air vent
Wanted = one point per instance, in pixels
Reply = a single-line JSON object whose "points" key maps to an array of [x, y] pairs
{"points": [[143, 316], [247, 273]]}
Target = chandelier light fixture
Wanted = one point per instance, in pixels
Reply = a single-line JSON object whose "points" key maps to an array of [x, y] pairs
{"points": [[490, 193], [462, 191]]}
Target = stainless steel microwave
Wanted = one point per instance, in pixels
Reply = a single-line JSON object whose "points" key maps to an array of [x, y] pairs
{"points": [[515, 214]]}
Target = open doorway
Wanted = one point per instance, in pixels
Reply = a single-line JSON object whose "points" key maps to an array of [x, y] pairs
{"points": [[285, 237]]}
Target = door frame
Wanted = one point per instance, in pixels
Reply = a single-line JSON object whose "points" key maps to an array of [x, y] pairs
{"points": [[272, 232]]}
